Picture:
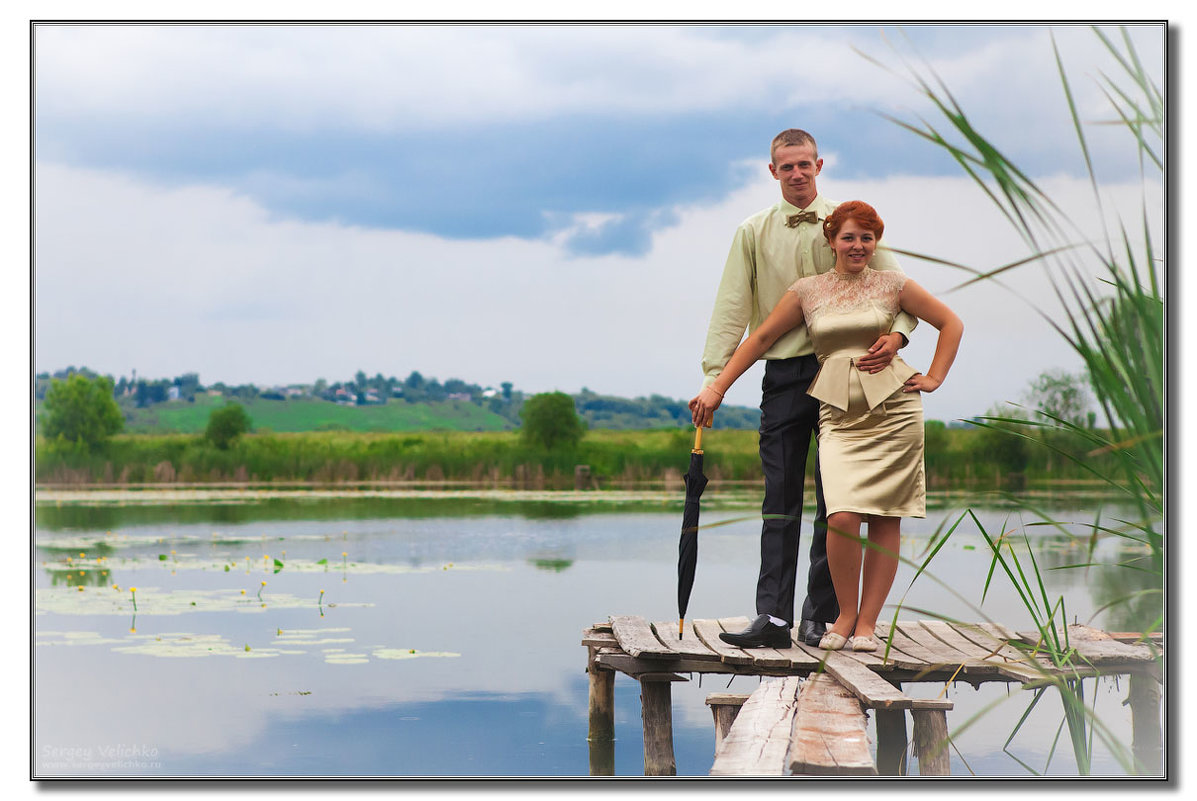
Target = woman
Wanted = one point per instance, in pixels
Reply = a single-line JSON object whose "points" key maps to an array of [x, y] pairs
{"points": [[870, 424]]}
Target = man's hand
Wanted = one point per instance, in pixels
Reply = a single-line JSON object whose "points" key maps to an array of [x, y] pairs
{"points": [[703, 406], [882, 353]]}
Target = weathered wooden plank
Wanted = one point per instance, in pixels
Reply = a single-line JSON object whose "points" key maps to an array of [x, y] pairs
{"points": [[866, 685], [1100, 648], [810, 657], [881, 661], [966, 654], [1138, 638], [945, 653], [726, 699], [665, 677], [799, 658], [762, 657], [636, 638], [1017, 664], [891, 655], [689, 645], [933, 661], [829, 734], [874, 660], [944, 631], [707, 631], [639, 668], [998, 631], [982, 662], [757, 743], [599, 639]]}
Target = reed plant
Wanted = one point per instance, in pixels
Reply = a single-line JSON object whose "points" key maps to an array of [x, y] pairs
{"points": [[1114, 322]]}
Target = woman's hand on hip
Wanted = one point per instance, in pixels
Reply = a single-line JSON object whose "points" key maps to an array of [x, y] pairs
{"points": [[921, 383]]}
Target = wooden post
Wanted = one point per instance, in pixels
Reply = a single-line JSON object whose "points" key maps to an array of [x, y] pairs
{"points": [[931, 741], [891, 742], [601, 736], [1147, 740], [602, 757], [656, 701], [724, 708], [602, 701], [582, 479]]}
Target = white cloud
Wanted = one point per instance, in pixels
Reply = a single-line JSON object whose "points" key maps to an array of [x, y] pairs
{"points": [[195, 278], [400, 77]]}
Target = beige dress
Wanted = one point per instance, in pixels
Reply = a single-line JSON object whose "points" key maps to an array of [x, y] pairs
{"points": [[870, 431]]}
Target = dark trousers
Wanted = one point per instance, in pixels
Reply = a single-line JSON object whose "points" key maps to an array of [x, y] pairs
{"points": [[788, 419]]}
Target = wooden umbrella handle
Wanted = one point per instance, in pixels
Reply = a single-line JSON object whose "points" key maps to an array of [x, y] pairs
{"points": [[697, 440]]}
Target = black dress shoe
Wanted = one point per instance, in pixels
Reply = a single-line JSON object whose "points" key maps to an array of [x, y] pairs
{"points": [[812, 631], [761, 633]]}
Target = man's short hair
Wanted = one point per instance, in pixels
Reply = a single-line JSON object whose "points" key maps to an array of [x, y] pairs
{"points": [[792, 136]]}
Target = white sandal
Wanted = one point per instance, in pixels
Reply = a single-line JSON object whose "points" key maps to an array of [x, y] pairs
{"points": [[863, 644], [833, 642]]}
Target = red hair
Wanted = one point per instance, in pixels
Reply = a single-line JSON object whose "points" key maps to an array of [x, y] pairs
{"points": [[864, 214]]}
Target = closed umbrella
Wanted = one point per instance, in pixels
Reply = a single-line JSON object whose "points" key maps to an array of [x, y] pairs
{"points": [[687, 548]]}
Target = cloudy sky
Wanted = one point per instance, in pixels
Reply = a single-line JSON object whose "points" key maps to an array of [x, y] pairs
{"points": [[549, 205]]}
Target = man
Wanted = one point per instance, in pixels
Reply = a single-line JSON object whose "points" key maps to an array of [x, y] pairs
{"points": [[771, 250]]}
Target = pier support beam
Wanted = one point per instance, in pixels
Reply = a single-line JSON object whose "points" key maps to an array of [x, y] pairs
{"points": [[891, 742], [656, 699], [1147, 741], [601, 735], [724, 708], [931, 741]]}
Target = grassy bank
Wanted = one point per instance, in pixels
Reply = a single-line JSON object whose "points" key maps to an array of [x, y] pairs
{"points": [[955, 458]]}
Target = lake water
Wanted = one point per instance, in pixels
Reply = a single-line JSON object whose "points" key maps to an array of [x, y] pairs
{"points": [[440, 636]]}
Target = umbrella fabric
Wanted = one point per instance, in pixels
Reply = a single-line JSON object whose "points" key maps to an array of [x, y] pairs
{"points": [[687, 549]]}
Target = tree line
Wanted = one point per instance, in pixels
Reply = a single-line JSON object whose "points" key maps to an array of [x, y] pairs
{"points": [[81, 418], [597, 410]]}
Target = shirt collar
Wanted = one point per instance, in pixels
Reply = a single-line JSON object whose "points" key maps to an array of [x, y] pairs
{"points": [[786, 207]]}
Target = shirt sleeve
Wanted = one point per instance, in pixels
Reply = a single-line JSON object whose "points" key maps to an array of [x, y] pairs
{"points": [[733, 304], [884, 259]]}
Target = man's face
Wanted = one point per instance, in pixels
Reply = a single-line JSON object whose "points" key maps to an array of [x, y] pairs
{"points": [[795, 166]]}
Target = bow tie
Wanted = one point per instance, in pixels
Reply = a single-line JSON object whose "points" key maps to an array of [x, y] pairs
{"points": [[801, 217]]}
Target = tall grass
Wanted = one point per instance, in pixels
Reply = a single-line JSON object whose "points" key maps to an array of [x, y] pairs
{"points": [[1115, 324], [958, 459]]}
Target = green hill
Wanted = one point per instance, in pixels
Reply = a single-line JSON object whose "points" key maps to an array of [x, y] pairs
{"points": [[310, 414]]}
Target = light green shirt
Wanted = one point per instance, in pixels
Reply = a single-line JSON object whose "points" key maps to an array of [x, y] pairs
{"points": [[766, 258]]}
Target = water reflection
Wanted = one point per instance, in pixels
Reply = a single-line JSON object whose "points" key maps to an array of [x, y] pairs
{"points": [[88, 517], [431, 644]]}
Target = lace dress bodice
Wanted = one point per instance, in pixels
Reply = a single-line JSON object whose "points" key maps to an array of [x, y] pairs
{"points": [[834, 292]]}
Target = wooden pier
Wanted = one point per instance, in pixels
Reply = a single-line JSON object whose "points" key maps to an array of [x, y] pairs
{"points": [[808, 716]]}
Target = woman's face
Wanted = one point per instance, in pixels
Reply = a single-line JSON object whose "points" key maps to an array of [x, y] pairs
{"points": [[853, 246]]}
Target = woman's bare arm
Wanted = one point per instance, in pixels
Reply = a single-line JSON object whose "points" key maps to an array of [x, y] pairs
{"points": [[922, 304]]}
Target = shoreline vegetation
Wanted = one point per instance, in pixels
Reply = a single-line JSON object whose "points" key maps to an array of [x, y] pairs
{"points": [[604, 460]]}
